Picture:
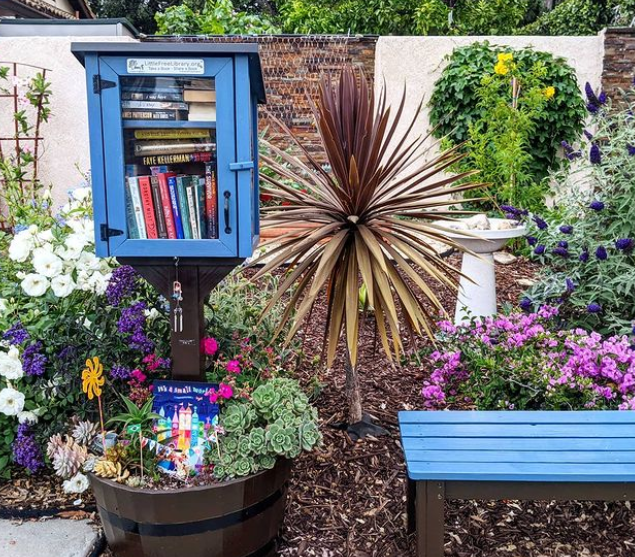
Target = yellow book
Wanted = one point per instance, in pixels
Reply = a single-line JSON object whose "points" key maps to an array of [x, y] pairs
{"points": [[169, 133]]}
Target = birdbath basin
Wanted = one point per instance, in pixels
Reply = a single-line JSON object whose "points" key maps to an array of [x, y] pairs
{"points": [[477, 286]]}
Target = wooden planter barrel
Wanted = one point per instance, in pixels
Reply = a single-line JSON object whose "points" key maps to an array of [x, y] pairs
{"points": [[237, 518]]}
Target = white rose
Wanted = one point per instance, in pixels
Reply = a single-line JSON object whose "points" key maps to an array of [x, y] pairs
{"points": [[33, 229], [27, 417], [46, 263], [46, 236], [98, 283], [63, 285], [19, 250], [11, 402], [75, 244], [35, 285], [77, 484], [81, 194], [88, 261], [10, 364]]}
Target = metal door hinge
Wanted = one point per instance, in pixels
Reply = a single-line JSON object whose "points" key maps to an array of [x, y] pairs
{"points": [[99, 84], [108, 232]]}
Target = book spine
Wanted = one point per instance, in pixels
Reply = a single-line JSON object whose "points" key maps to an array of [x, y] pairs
{"points": [[156, 170], [181, 182], [131, 217], [176, 210], [153, 105], [191, 205], [200, 206], [211, 201], [135, 197], [154, 96], [143, 149], [166, 205], [182, 133], [145, 189], [162, 231], [153, 115], [157, 160]]}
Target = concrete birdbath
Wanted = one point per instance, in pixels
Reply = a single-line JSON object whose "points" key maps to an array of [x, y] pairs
{"points": [[478, 298]]}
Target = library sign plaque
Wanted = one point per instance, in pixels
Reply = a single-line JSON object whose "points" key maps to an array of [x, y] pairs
{"points": [[175, 66]]}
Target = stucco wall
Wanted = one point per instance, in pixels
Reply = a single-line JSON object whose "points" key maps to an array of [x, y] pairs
{"points": [[65, 154], [419, 61]]}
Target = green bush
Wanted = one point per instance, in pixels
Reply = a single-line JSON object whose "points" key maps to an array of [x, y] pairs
{"points": [[573, 17]]}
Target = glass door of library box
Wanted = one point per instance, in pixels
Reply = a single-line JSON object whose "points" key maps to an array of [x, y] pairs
{"points": [[169, 138]]}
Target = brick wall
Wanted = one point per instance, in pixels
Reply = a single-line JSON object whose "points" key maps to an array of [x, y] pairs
{"points": [[292, 66], [619, 60]]}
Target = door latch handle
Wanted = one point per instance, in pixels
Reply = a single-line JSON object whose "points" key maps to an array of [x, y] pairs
{"points": [[228, 229]]}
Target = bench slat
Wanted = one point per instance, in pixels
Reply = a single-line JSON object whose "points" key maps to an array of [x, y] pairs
{"points": [[475, 471], [492, 444], [582, 431], [517, 417], [545, 457]]}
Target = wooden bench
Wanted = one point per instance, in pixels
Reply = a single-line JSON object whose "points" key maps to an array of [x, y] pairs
{"points": [[565, 455]]}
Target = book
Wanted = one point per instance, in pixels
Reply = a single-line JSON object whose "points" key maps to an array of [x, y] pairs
{"points": [[166, 204], [162, 231], [175, 133], [156, 170], [168, 96], [199, 96], [131, 218], [181, 183], [176, 146], [200, 205], [155, 160], [205, 112], [135, 198], [145, 189], [174, 202], [211, 201], [153, 105], [154, 115], [190, 192]]}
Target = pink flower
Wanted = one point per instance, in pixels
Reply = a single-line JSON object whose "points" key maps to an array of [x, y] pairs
{"points": [[213, 396], [138, 375], [233, 366], [151, 361], [209, 346], [225, 391]]}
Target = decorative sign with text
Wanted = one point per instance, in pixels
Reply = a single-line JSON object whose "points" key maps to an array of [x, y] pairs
{"points": [[167, 66]]}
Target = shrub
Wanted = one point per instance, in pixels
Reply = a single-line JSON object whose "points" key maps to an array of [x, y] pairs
{"points": [[523, 362], [586, 241]]}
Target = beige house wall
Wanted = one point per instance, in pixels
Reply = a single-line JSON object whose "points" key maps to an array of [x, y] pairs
{"points": [[419, 61]]}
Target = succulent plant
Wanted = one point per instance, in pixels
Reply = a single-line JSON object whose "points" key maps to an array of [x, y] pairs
{"points": [[55, 442], [68, 456], [110, 470], [135, 481], [84, 432], [89, 463]]}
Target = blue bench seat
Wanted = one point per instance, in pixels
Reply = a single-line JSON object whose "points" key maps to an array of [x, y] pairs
{"points": [[542, 455]]}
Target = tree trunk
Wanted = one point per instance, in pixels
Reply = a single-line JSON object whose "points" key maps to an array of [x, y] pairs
{"points": [[353, 394]]}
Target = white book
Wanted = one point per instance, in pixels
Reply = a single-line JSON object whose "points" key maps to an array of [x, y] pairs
{"points": [[191, 205], [135, 196], [203, 112]]}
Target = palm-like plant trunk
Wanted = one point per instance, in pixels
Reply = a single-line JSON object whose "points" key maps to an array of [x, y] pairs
{"points": [[353, 395]]}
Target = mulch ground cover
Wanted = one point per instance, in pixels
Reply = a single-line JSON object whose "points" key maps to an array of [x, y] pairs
{"points": [[348, 499]]}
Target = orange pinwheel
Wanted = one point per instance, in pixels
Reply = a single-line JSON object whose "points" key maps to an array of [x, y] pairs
{"points": [[93, 378]]}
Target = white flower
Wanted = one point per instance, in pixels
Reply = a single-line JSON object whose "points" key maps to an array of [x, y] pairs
{"points": [[46, 263], [19, 249], [98, 283], [10, 364], [63, 285], [77, 484], [88, 261], [46, 236], [27, 417], [3, 305], [151, 314], [11, 402], [75, 243], [81, 194], [34, 285], [33, 229]]}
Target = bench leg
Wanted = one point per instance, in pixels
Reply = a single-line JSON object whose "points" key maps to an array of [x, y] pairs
{"points": [[411, 507], [430, 518]]}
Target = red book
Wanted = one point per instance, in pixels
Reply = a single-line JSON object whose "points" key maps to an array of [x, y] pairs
{"points": [[166, 206], [211, 202], [145, 188]]}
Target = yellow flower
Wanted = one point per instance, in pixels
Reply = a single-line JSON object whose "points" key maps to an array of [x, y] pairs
{"points": [[93, 378], [505, 63], [505, 57], [501, 68], [549, 92]]}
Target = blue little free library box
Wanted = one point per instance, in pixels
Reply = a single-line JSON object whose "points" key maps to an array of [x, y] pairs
{"points": [[174, 148]]}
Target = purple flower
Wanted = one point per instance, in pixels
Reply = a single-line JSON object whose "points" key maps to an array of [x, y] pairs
{"points": [[601, 254], [563, 244], [526, 304], [624, 244], [590, 94], [539, 249], [132, 322], [588, 134], [569, 284], [16, 334], [26, 451], [595, 155], [122, 283], [122, 373], [602, 97], [596, 205], [594, 308], [532, 240], [540, 223], [594, 102], [631, 150], [562, 252], [593, 109], [584, 256], [33, 361], [566, 229]]}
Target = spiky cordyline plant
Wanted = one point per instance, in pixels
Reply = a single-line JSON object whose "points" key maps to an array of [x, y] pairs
{"points": [[370, 221]]}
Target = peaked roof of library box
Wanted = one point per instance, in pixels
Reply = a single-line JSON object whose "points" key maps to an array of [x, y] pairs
{"points": [[116, 48]]}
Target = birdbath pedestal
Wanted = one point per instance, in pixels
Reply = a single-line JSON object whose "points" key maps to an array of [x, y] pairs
{"points": [[477, 286]]}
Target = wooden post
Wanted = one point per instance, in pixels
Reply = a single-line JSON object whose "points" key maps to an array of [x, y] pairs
{"points": [[430, 518]]}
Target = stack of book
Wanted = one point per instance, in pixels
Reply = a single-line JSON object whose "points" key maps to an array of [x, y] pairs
{"points": [[173, 206], [155, 147], [201, 104]]}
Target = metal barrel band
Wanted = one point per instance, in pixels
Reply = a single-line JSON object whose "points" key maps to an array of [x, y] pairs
{"points": [[191, 528]]}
